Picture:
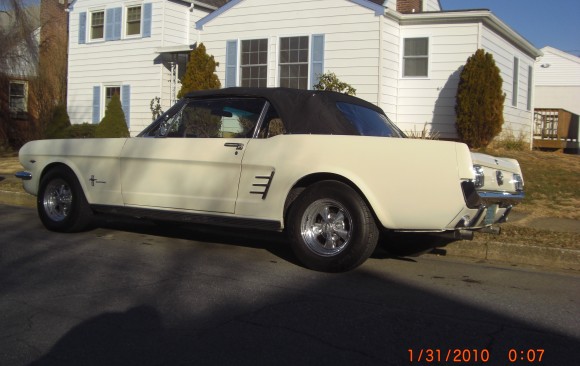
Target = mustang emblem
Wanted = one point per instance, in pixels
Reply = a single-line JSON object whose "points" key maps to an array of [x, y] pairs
{"points": [[94, 180]]}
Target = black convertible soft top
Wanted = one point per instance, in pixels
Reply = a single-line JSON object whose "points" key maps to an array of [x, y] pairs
{"points": [[302, 111]]}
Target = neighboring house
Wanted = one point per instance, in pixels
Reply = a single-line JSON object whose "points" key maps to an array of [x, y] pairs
{"points": [[32, 68], [557, 100], [18, 65], [558, 80], [404, 55]]}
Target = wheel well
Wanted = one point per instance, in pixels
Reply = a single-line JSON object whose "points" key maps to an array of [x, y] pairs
{"points": [[52, 166], [311, 179]]}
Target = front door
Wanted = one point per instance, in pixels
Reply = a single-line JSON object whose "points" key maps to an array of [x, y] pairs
{"points": [[192, 159]]}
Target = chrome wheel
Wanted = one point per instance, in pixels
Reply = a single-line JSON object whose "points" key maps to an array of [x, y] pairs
{"points": [[57, 200], [326, 227]]}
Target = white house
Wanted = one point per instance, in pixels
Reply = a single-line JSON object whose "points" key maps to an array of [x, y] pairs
{"points": [[558, 80], [403, 55]]}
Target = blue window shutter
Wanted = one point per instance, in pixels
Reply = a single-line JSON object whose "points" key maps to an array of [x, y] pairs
{"points": [[231, 63], [118, 23], [126, 102], [317, 59], [96, 104], [82, 28], [113, 24], [147, 18]]}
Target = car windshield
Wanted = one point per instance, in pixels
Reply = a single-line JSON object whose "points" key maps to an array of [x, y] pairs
{"points": [[369, 122]]}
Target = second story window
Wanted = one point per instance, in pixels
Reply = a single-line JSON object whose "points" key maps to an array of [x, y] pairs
{"points": [[134, 20], [97, 24], [254, 60], [294, 62]]}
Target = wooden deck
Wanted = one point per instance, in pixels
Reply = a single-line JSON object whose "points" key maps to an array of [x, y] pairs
{"points": [[555, 129]]}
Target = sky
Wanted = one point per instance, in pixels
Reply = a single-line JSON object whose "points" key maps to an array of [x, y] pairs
{"points": [[554, 23]]}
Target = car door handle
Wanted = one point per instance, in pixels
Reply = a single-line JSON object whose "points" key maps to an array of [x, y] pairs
{"points": [[237, 145]]}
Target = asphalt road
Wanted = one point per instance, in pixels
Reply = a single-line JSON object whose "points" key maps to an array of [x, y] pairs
{"points": [[132, 294]]}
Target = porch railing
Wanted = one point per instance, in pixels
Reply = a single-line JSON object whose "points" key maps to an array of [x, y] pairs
{"points": [[555, 128]]}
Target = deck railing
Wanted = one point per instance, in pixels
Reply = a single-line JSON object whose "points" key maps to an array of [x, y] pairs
{"points": [[555, 128]]}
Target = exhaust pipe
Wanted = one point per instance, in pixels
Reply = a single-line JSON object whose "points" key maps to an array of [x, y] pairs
{"points": [[457, 235]]}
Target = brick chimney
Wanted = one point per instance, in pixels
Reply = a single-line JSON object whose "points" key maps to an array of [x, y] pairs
{"points": [[409, 6]]}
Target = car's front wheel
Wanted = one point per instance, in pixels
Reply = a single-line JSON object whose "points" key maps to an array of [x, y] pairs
{"points": [[61, 203], [331, 228]]}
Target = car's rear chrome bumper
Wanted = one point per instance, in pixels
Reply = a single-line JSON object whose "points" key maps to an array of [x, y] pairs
{"points": [[476, 199], [23, 175]]}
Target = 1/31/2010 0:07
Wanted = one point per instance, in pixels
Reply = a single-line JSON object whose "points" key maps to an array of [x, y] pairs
{"points": [[457, 355]]}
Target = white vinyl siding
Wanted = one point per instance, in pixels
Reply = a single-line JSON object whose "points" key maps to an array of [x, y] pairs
{"points": [[557, 80], [127, 62], [517, 118], [347, 32]]}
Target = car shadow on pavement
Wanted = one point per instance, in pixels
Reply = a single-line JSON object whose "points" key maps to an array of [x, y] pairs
{"points": [[399, 246]]}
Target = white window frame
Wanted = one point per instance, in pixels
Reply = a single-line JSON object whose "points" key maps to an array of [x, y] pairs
{"points": [[241, 58], [104, 96], [24, 97], [405, 58], [304, 63], [90, 25], [126, 20]]}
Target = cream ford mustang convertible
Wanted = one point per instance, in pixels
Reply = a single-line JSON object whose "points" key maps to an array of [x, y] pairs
{"points": [[329, 169]]}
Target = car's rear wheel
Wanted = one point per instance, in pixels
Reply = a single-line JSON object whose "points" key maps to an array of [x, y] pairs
{"points": [[61, 203], [331, 227]]}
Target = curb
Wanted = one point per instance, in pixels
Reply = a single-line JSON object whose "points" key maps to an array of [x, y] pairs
{"points": [[568, 259]]}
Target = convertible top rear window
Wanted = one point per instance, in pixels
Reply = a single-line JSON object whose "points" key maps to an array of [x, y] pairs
{"points": [[369, 122]]}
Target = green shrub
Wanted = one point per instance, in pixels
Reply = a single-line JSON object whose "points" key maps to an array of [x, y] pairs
{"points": [[59, 122], [479, 101], [81, 131], [329, 81], [113, 123]]}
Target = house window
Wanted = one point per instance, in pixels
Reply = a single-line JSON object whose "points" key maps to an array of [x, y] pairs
{"points": [[416, 57], [134, 20], [254, 59], [530, 86], [109, 92], [294, 62], [18, 96], [516, 82], [97, 24]]}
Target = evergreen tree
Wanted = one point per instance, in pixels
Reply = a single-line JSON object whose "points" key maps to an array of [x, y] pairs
{"points": [[58, 124], [113, 123], [200, 72], [479, 101]]}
